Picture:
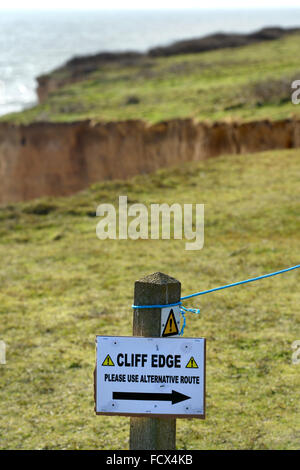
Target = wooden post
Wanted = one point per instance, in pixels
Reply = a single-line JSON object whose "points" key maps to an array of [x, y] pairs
{"points": [[155, 289]]}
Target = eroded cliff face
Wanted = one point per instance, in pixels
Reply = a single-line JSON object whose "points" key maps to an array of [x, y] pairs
{"points": [[44, 159]]}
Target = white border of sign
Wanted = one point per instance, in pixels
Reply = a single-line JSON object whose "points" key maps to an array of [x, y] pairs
{"points": [[186, 348]]}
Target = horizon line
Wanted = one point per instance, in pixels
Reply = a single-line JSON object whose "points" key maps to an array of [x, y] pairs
{"points": [[49, 8]]}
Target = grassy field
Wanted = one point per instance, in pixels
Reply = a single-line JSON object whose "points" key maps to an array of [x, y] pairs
{"points": [[252, 82], [60, 286]]}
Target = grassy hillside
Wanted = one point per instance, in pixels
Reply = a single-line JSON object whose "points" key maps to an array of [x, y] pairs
{"points": [[60, 286], [252, 82]]}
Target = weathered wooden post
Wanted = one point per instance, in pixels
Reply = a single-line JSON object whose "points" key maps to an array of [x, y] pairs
{"points": [[155, 289]]}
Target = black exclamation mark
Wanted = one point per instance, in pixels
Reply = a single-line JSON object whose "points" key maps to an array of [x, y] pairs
{"points": [[170, 326]]}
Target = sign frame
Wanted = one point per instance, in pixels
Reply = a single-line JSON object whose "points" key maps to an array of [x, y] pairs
{"points": [[153, 415]]}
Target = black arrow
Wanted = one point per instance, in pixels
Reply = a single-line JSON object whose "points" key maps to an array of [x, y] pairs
{"points": [[174, 397]]}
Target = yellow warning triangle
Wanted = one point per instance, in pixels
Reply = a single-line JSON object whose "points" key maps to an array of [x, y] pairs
{"points": [[171, 327], [108, 361], [192, 364]]}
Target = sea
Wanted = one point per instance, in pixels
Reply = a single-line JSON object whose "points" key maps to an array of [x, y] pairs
{"points": [[33, 43]]}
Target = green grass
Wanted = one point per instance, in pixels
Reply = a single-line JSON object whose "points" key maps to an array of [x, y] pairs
{"points": [[60, 286], [252, 82]]}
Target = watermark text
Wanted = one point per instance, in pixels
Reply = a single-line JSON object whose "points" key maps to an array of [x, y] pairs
{"points": [[296, 94], [159, 221], [2, 353], [296, 353]]}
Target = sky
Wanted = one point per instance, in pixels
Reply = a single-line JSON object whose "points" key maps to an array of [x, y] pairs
{"points": [[145, 4]]}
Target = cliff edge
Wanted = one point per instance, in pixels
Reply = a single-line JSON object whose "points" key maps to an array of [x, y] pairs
{"points": [[59, 159], [79, 68]]}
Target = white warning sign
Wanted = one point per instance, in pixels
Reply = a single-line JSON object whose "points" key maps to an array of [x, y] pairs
{"points": [[170, 321], [139, 376]]}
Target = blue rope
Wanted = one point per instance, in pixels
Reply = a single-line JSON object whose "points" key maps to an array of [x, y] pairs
{"points": [[183, 310], [183, 321], [156, 306], [240, 282]]}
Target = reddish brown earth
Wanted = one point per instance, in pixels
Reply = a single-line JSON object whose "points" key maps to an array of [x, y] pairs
{"points": [[47, 159]]}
